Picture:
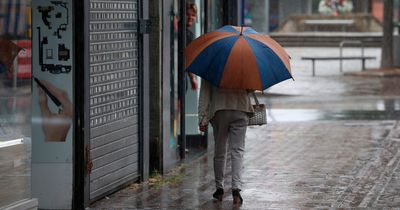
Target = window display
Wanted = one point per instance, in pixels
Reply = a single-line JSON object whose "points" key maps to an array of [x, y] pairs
{"points": [[15, 100]]}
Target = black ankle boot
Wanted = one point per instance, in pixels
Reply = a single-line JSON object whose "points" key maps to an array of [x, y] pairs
{"points": [[237, 199], [219, 194]]}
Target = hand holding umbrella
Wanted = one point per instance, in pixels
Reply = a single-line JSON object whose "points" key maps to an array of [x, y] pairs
{"points": [[55, 125]]}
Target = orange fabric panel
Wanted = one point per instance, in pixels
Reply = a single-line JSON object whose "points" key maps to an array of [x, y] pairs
{"points": [[241, 68], [274, 46], [199, 44]]}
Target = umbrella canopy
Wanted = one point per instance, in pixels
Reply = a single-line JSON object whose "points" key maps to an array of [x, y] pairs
{"points": [[239, 58]]}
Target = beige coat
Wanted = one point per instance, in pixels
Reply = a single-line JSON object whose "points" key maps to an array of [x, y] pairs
{"points": [[213, 99]]}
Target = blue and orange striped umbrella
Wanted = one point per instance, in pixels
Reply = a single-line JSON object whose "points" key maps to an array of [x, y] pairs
{"points": [[238, 58]]}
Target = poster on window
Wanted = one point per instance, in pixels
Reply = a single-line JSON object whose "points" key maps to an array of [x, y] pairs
{"points": [[52, 77]]}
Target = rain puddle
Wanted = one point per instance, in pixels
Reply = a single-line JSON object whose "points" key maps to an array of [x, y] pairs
{"points": [[299, 115]]}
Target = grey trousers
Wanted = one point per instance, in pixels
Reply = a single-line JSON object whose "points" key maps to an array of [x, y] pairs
{"points": [[229, 125]]}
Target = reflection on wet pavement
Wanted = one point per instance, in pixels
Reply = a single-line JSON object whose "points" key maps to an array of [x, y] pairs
{"points": [[298, 115], [309, 108]]}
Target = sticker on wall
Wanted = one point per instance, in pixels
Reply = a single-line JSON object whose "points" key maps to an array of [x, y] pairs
{"points": [[63, 55]]}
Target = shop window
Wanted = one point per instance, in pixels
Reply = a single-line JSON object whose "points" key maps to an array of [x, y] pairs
{"points": [[15, 100]]}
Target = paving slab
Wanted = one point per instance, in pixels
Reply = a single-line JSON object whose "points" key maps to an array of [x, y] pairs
{"points": [[321, 164]]}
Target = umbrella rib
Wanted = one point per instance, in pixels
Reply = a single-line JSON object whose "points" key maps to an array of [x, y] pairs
{"points": [[207, 41], [215, 60], [272, 52], [213, 68], [277, 53], [280, 53]]}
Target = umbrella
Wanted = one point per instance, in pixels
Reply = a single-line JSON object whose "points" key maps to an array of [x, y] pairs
{"points": [[238, 58]]}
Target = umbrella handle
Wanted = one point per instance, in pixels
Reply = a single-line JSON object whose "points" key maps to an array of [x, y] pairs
{"points": [[241, 30], [242, 14]]}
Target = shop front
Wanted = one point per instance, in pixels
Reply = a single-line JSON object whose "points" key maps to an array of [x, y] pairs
{"points": [[73, 100], [93, 95], [15, 101]]}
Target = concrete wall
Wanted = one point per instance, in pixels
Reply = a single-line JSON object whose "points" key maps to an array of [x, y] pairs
{"points": [[259, 15], [396, 48], [290, 7], [169, 147], [155, 89], [362, 23], [163, 154]]}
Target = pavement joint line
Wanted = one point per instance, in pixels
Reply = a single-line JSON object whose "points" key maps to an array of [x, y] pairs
{"points": [[361, 173], [372, 196], [369, 199], [391, 175]]}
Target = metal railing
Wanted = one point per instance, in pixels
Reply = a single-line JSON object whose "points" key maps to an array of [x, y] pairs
{"points": [[342, 43]]}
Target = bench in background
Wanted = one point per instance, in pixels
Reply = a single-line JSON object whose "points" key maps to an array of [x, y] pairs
{"points": [[313, 59], [341, 57], [342, 25]]}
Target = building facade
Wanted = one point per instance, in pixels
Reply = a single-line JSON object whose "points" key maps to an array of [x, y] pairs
{"points": [[267, 15], [104, 76]]}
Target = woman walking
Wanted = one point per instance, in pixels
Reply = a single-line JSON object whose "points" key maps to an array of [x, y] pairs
{"points": [[227, 110]]}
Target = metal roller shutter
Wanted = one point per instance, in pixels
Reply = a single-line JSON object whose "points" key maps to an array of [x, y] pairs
{"points": [[113, 94]]}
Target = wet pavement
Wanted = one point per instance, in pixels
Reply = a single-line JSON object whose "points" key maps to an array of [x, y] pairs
{"points": [[332, 141], [316, 164]]}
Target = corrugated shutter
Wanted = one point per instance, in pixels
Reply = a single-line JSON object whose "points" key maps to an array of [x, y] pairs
{"points": [[114, 94]]}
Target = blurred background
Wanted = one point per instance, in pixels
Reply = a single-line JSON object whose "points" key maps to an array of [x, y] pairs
{"points": [[306, 28]]}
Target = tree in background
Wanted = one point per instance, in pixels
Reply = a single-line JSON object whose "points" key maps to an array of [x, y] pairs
{"points": [[387, 42]]}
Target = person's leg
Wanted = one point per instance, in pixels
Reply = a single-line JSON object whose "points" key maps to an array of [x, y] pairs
{"points": [[220, 130], [237, 134]]}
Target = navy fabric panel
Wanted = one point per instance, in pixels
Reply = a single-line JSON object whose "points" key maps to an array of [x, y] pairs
{"points": [[250, 31], [210, 63], [228, 29], [272, 69]]}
